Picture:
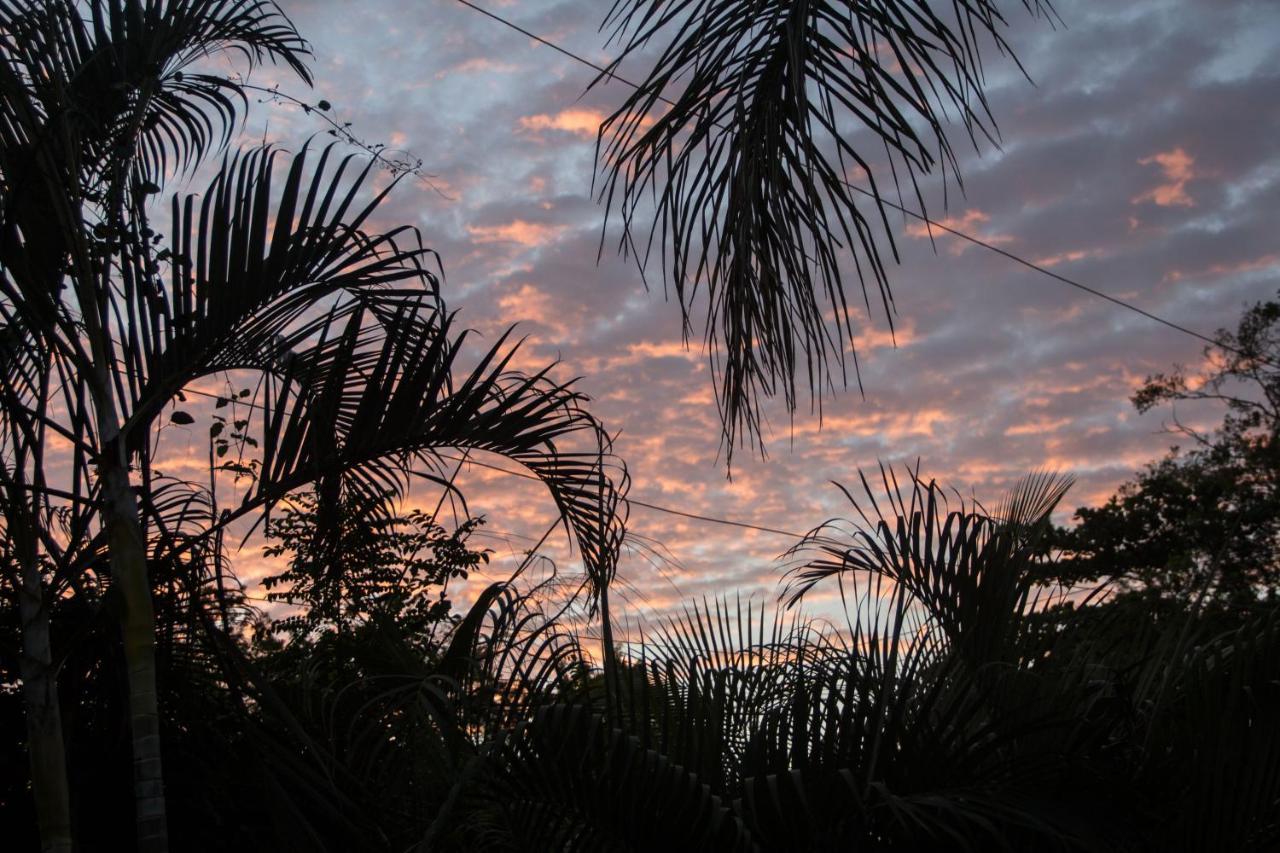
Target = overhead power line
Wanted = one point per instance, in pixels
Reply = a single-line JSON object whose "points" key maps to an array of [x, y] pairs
{"points": [[710, 519], [657, 507], [977, 241]]}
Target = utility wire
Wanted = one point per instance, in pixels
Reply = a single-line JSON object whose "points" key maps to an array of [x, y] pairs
{"points": [[554, 46], [880, 200], [657, 507], [630, 500], [906, 211]]}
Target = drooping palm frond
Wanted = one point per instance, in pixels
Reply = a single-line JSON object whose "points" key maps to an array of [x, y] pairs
{"points": [[360, 363], [754, 729], [120, 71], [747, 181], [572, 782], [415, 737], [1209, 752]]}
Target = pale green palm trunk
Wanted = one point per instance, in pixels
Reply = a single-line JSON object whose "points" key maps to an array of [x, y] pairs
{"points": [[128, 558], [137, 625]]}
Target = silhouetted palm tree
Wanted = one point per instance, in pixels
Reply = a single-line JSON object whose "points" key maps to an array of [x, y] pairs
{"points": [[920, 724], [357, 359]]}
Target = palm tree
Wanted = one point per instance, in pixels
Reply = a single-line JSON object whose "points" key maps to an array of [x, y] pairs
{"points": [[926, 722], [739, 154], [357, 357]]}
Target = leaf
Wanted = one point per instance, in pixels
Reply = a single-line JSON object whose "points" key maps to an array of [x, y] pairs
{"points": [[182, 418], [731, 163]]}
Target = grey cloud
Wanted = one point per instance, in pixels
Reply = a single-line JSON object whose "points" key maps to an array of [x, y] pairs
{"points": [[990, 345]]}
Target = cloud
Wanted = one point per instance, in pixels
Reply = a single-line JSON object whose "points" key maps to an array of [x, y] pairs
{"points": [[575, 120], [1068, 257], [968, 223], [1143, 161], [529, 234], [479, 65], [1178, 168]]}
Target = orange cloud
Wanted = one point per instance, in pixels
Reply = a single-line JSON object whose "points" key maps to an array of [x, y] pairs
{"points": [[887, 426], [522, 232], [478, 65], [880, 337], [1265, 262], [580, 121], [576, 120], [1037, 427], [1068, 257], [1178, 168], [968, 223]]}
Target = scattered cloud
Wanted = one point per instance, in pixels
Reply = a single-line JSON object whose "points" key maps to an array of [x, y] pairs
{"points": [[576, 120], [528, 234], [1178, 168], [970, 223], [1117, 165]]}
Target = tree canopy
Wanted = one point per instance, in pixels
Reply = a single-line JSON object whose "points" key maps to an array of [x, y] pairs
{"points": [[1206, 518]]}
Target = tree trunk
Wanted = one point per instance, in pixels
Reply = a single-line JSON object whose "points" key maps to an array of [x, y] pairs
{"points": [[45, 748], [137, 624], [613, 695]]}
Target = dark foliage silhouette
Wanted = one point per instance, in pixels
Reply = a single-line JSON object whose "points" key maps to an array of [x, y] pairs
{"points": [[741, 155]]}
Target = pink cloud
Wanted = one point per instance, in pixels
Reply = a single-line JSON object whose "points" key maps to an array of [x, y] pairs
{"points": [[525, 233], [1179, 168], [1068, 257], [529, 304], [1222, 270], [579, 121], [969, 223], [576, 120], [478, 65], [1038, 427]]}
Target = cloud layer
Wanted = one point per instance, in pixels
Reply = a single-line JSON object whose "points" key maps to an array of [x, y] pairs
{"points": [[1142, 162]]}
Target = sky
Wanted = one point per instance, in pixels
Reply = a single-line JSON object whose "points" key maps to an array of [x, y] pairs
{"points": [[1142, 161]]}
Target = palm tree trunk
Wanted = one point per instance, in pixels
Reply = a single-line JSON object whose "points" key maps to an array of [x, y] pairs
{"points": [[613, 696], [45, 747], [137, 623]]}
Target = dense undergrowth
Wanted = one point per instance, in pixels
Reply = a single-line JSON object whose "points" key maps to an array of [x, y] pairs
{"points": [[964, 705]]}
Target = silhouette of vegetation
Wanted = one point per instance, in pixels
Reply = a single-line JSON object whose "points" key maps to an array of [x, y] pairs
{"points": [[354, 356], [739, 154], [987, 691], [1204, 521]]}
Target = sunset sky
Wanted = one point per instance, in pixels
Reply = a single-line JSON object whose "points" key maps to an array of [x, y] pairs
{"points": [[1143, 161]]}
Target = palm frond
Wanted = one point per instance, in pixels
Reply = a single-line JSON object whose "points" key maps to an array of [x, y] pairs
{"points": [[360, 362], [969, 569], [746, 182], [121, 72], [569, 781]]}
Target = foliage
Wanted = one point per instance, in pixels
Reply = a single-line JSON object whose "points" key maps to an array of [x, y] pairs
{"points": [[749, 182], [275, 270], [965, 704], [353, 562], [1204, 521]]}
